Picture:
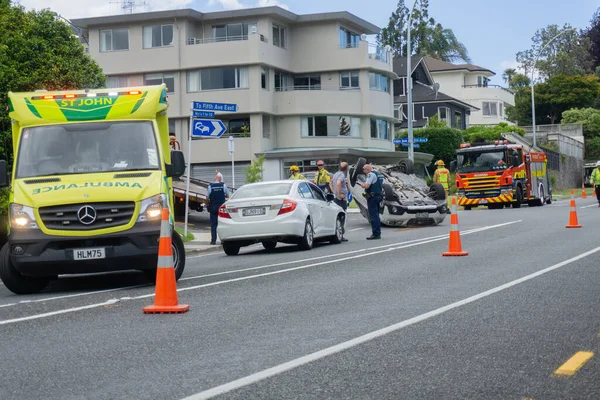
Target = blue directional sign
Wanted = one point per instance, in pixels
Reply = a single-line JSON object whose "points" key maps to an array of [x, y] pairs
{"points": [[208, 128], [420, 140], [203, 114], [401, 141], [404, 141], [415, 145], [224, 107]]}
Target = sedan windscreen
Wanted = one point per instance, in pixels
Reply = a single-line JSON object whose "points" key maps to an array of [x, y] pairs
{"points": [[274, 189]]}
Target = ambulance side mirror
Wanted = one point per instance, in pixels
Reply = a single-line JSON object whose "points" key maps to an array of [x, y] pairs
{"points": [[177, 166], [452, 166], [3, 174]]}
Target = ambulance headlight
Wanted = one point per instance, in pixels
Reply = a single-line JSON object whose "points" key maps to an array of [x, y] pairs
{"points": [[22, 217], [151, 208]]}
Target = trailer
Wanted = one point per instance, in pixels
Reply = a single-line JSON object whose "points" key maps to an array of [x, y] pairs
{"points": [[198, 196]]}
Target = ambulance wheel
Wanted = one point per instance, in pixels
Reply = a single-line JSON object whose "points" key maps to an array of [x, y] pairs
{"points": [[358, 169], [14, 281], [407, 166], [178, 259]]}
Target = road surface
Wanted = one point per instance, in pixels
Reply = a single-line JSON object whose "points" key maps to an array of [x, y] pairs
{"points": [[388, 319]]}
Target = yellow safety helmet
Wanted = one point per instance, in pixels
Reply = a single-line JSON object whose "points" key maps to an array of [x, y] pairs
{"points": [[294, 168], [440, 162]]}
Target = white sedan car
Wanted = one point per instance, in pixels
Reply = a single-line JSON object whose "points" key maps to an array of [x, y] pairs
{"points": [[280, 211]]}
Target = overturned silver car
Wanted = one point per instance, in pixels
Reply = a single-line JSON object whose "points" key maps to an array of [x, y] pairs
{"points": [[407, 200]]}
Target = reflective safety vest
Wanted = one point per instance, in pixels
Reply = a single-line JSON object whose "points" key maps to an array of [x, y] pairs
{"points": [[297, 177], [322, 177], [595, 177], [443, 176]]}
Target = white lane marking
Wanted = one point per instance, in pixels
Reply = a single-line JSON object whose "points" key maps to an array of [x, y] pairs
{"points": [[50, 314], [278, 369], [591, 205], [356, 229], [68, 296], [244, 278]]}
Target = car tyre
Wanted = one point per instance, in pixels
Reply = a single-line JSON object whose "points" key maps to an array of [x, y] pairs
{"points": [[14, 281], [339, 231], [178, 250], [517, 203], [407, 166], [231, 249], [388, 192], [437, 192], [358, 169], [307, 241], [269, 245]]}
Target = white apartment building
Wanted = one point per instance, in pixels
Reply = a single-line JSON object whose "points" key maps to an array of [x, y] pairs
{"points": [[308, 87], [470, 84]]}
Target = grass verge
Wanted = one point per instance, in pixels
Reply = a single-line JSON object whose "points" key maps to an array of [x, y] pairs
{"points": [[190, 236]]}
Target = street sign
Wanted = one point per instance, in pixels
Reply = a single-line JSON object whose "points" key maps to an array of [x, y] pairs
{"points": [[203, 114], [420, 140], [207, 128], [401, 141], [415, 145], [404, 141], [224, 107], [231, 145]]}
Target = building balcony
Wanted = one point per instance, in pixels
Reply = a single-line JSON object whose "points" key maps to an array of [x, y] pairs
{"points": [[318, 100]]}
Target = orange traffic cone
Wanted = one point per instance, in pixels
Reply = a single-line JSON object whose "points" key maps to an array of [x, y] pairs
{"points": [[573, 223], [454, 246], [583, 194], [165, 299]]}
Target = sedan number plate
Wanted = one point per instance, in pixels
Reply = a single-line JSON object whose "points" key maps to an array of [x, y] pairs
{"points": [[89, 254], [422, 215], [250, 212]]}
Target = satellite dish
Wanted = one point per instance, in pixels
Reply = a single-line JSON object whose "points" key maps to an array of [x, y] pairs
{"points": [[436, 89]]}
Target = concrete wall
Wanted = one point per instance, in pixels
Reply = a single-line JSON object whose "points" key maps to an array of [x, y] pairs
{"points": [[570, 174]]}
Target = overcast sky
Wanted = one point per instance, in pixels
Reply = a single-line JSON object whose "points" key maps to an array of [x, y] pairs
{"points": [[493, 31]]}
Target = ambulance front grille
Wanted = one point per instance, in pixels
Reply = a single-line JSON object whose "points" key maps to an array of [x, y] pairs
{"points": [[87, 216]]}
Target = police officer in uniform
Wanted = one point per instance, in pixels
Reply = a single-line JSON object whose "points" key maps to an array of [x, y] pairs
{"points": [[373, 186], [217, 193]]}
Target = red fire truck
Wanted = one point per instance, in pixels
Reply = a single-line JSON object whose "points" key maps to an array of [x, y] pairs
{"points": [[499, 175]]}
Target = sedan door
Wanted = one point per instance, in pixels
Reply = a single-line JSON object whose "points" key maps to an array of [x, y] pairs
{"points": [[315, 212], [326, 222]]}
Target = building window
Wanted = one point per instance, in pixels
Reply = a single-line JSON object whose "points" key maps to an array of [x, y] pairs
{"points": [[458, 120], [117, 82], [348, 39], [444, 115], [378, 82], [283, 81], [158, 36], [398, 114], [279, 36], [482, 81], [114, 39], [217, 78], [380, 129], [399, 87], [490, 109], [158, 79], [330, 126], [500, 112], [307, 82], [349, 80], [264, 78], [239, 126], [266, 125], [231, 32]]}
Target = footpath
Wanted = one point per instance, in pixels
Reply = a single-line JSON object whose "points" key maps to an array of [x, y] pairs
{"points": [[199, 226]]}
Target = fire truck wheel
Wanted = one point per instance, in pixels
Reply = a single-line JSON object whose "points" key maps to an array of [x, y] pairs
{"points": [[468, 208], [519, 200]]}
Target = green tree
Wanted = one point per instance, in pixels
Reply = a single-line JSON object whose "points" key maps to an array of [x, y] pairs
{"points": [[442, 142], [428, 38], [254, 171], [508, 74], [559, 93], [39, 51], [518, 81], [477, 134], [567, 54], [589, 118], [593, 34]]}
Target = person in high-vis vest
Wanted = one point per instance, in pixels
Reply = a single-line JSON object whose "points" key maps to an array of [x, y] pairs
{"points": [[217, 194], [295, 174], [442, 175], [322, 178], [595, 181]]}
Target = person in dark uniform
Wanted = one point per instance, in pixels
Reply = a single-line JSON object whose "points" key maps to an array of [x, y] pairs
{"points": [[217, 195], [373, 186]]}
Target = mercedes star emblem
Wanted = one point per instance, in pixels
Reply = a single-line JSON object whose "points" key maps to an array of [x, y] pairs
{"points": [[86, 215]]}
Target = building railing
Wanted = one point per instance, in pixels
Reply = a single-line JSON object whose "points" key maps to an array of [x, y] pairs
{"points": [[379, 53], [488, 86], [194, 41], [352, 45], [289, 88]]}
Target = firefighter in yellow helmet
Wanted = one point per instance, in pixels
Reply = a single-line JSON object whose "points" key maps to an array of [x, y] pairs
{"points": [[442, 175], [295, 173]]}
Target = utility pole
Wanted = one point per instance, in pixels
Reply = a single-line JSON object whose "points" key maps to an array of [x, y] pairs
{"points": [[411, 148]]}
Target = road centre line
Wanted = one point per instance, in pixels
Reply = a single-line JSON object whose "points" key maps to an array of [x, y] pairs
{"points": [[232, 271], [591, 205], [244, 278], [574, 363], [298, 362], [356, 229]]}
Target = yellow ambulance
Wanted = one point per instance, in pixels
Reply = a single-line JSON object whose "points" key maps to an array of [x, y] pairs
{"points": [[92, 171]]}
